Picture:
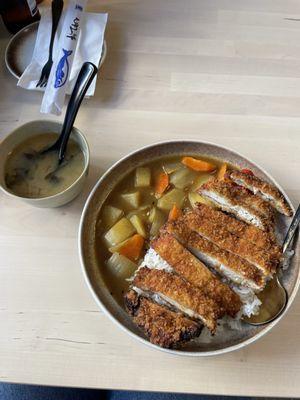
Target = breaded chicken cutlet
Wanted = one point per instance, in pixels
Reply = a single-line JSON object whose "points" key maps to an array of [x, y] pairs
{"points": [[172, 305], [220, 236], [179, 294], [164, 327], [261, 239], [209, 262], [263, 189], [238, 201], [194, 271], [229, 265]]}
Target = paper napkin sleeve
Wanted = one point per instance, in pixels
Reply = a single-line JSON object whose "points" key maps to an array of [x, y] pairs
{"points": [[89, 48]]}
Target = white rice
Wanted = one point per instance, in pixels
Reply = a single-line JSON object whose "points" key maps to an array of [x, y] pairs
{"points": [[251, 302], [153, 260]]}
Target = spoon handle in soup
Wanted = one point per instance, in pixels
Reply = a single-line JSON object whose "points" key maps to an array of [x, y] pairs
{"points": [[84, 79], [292, 230]]}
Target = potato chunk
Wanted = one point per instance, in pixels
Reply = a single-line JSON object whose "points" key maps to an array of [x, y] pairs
{"points": [[200, 180], [183, 178], [133, 199], [142, 177], [157, 219], [174, 196], [120, 266], [110, 215], [172, 167], [138, 223], [119, 232]]}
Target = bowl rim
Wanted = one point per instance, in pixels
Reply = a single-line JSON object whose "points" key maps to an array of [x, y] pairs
{"points": [[59, 194], [9, 44], [20, 33], [83, 268]]}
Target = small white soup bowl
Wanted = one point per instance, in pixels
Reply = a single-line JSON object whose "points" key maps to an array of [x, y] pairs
{"points": [[42, 127]]}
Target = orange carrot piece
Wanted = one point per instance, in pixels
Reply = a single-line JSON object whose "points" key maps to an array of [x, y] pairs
{"points": [[198, 165], [222, 171], [161, 184], [174, 213], [133, 247]]}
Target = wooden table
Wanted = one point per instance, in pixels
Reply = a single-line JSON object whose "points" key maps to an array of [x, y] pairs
{"points": [[226, 71]]}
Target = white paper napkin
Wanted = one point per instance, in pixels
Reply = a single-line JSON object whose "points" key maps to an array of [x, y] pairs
{"points": [[88, 48]]}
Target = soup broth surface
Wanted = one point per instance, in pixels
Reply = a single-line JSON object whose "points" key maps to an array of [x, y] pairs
{"points": [[33, 175]]}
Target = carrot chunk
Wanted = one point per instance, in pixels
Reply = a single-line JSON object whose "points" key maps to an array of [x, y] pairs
{"points": [[247, 171], [222, 172], [133, 247], [174, 213], [198, 165], [161, 183]]}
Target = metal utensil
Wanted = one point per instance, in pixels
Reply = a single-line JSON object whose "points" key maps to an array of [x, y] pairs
{"points": [[84, 79], [266, 316], [279, 286], [56, 10], [291, 231]]}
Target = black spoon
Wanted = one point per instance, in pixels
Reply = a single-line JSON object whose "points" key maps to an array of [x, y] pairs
{"points": [[84, 79]]}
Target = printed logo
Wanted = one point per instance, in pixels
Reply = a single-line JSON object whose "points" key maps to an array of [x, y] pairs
{"points": [[62, 70]]}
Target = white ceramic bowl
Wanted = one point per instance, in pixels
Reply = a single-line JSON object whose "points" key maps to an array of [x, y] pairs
{"points": [[93, 270], [39, 127]]}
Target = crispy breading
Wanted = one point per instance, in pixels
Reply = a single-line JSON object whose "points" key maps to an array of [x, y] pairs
{"points": [[262, 239], [189, 267], [246, 273], [239, 201], [163, 327], [263, 189], [242, 272], [263, 260], [179, 293]]}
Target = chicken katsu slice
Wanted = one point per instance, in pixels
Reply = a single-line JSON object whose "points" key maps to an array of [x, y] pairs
{"points": [[261, 259], [240, 202], [179, 294], [256, 203], [162, 326], [184, 263], [234, 268], [263, 189], [262, 239], [229, 265]]}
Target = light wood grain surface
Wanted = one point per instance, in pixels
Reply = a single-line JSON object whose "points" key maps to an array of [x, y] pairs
{"points": [[226, 71]]}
